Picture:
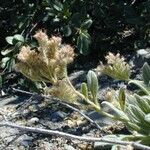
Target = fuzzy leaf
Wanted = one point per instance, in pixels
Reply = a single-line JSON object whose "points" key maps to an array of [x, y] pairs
{"points": [[147, 118], [119, 114], [141, 85], [122, 98], [145, 140], [146, 73], [133, 126], [140, 115], [133, 118], [138, 112], [1, 81], [84, 89], [92, 84], [147, 98], [136, 116], [142, 103], [14, 39]]}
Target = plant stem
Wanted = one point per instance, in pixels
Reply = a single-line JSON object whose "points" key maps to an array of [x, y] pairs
{"points": [[96, 107], [82, 96]]}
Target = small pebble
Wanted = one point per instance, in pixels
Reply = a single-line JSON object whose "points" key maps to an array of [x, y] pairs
{"points": [[102, 146], [25, 140], [16, 114], [58, 116], [34, 108], [68, 147], [33, 120], [25, 112]]}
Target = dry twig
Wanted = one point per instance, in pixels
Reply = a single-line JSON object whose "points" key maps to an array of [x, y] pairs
{"points": [[62, 103], [70, 136]]}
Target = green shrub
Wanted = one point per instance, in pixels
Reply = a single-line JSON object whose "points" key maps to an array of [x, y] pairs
{"points": [[100, 24]]}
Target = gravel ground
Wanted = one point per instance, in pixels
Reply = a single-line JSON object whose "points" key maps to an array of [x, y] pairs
{"points": [[35, 111]]}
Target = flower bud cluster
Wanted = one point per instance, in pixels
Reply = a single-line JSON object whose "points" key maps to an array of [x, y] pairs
{"points": [[49, 62]]}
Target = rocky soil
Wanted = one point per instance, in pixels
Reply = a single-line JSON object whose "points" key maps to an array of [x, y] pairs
{"points": [[35, 111]]}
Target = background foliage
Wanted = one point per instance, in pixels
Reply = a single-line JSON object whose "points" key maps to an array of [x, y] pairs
{"points": [[94, 27]]}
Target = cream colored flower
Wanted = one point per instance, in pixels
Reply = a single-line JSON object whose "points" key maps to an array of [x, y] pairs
{"points": [[41, 36], [49, 63], [116, 67], [63, 91]]}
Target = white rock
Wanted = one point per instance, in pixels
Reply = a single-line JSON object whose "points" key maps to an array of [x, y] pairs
{"points": [[33, 120]]}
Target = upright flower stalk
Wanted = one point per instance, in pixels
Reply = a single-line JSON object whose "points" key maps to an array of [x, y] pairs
{"points": [[48, 63]]}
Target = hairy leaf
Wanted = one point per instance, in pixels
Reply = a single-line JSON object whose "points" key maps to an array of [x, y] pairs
{"points": [[146, 73], [93, 84], [147, 118], [122, 98], [142, 103], [141, 85], [118, 113], [84, 89]]}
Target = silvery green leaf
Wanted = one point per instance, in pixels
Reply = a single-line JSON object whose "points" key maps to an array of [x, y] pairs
{"points": [[92, 82], [132, 126], [140, 115], [146, 73], [102, 145], [84, 89], [1, 81], [122, 98], [130, 99], [138, 112], [131, 115], [142, 103], [141, 85], [147, 118], [147, 98], [145, 140], [118, 113]]}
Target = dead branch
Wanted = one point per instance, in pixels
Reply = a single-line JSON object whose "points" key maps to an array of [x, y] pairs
{"points": [[70, 136], [62, 103]]}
